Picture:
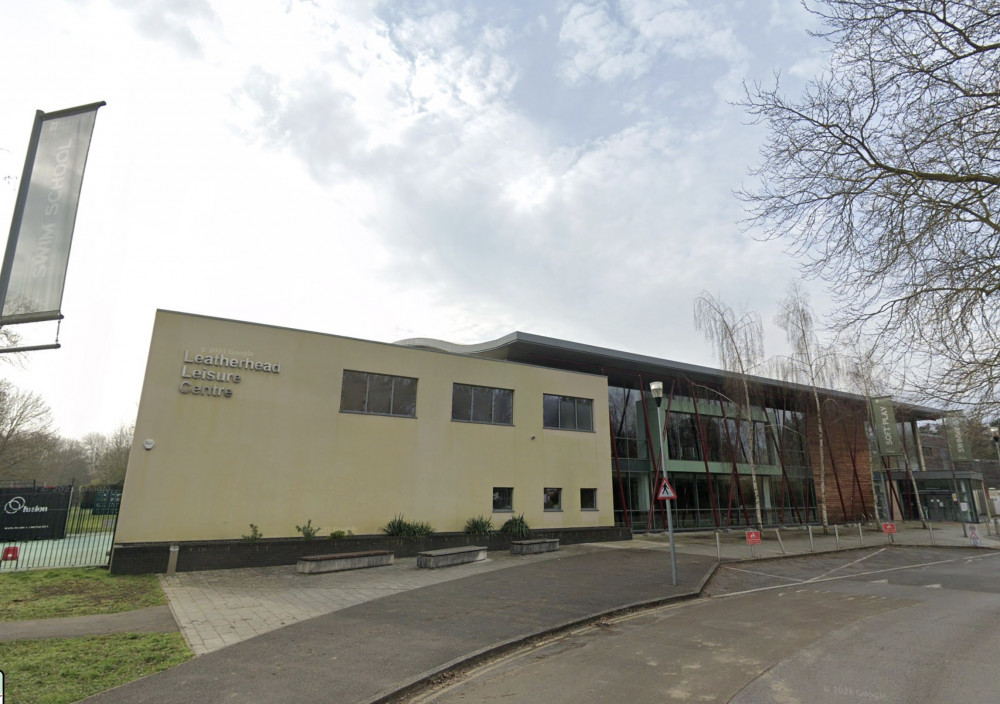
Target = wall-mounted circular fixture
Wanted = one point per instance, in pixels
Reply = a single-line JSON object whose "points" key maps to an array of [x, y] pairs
{"points": [[148, 444]]}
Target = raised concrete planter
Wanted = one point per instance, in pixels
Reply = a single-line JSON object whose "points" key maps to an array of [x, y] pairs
{"points": [[316, 564], [533, 547], [432, 559]]}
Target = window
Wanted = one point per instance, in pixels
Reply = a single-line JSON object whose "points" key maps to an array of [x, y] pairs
{"points": [[553, 499], [380, 394], [482, 404], [683, 439], [588, 499], [567, 412], [503, 498]]}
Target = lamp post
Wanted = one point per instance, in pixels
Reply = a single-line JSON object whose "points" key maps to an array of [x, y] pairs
{"points": [[656, 388], [995, 433]]}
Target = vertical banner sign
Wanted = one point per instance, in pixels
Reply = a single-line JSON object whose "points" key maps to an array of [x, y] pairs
{"points": [[886, 432], [958, 444], [41, 231]]}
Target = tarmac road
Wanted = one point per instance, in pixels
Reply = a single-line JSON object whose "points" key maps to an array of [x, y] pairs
{"points": [[907, 626]]}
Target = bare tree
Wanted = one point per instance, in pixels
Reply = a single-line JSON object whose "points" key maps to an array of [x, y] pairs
{"points": [[739, 345], [883, 177], [107, 454], [811, 363], [25, 430], [61, 463]]}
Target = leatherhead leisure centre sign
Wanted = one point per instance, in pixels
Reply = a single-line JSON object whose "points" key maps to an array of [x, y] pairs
{"points": [[215, 374]]}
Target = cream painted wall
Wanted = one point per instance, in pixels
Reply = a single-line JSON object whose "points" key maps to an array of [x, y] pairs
{"points": [[279, 451]]}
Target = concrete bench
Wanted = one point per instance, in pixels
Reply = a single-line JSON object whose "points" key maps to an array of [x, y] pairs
{"points": [[533, 547], [315, 564], [432, 559]]}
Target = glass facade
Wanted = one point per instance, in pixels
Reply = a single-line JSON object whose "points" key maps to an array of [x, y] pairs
{"points": [[707, 445]]}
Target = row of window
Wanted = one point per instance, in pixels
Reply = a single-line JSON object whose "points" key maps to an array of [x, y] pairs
{"points": [[726, 439], [503, 499], [387, 395]]}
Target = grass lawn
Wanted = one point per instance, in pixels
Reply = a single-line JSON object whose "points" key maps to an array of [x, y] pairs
{"points": [[81, 520], [56, 670], [80, 591], [59, 670]]}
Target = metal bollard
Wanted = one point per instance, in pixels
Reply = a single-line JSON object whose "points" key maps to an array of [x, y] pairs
{"points": [[718, 547], [861, 534], [930, 529], [172, 560], [812, 547], [780, 544], [836, 534]]}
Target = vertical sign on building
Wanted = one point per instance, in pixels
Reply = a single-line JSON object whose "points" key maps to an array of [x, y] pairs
{"points": [[41, 230], [958, 443], [886, 432]]}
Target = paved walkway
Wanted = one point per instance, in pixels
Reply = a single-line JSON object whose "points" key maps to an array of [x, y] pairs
{"points": [[155, 619], [221, 607], [357, 636], [366, 652]]}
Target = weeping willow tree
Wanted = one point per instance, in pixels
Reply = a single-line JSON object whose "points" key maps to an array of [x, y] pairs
{"points": [[810, 363], [738, 342]]}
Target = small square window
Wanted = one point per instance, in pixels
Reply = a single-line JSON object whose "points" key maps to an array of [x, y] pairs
{"points": [[588, 499], [503, 498], [553, 499]]}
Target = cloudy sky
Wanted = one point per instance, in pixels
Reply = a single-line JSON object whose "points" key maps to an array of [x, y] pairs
{"points": [[385, 170]]}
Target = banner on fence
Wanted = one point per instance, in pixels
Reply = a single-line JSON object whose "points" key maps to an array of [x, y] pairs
{"points": [[34, 513]]}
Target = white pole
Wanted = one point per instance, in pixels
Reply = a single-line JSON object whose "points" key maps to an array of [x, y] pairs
{"points": [[670, 530]]}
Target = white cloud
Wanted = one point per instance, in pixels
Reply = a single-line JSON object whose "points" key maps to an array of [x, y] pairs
{"points": [[395, 170], [606, 42], [179, 22]]}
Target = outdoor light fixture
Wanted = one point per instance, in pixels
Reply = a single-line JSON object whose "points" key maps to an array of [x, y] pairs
{"points": [[656, 388]]}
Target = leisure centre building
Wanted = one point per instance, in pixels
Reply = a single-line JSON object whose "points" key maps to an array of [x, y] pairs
{"points": [[242, 424]]}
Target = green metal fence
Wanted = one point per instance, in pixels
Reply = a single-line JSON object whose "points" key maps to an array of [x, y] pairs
{"points": [[57, 526]]}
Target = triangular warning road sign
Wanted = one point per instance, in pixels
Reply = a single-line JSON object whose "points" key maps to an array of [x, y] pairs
{"points": [[666, 491]]}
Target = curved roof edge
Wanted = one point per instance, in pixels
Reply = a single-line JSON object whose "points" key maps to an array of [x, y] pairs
{"points": [[430, 343], [514, 347]]}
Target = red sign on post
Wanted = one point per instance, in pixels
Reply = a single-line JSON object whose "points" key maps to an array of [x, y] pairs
{"points": [[753, 537], [888, 528], [666, 491], [10, 553]]}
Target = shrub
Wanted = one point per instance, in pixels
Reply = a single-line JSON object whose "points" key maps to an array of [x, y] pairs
{"points": [[399, 527], [334, 534], [479, 525], [516, 527], [255, 534], [308, 531]]}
